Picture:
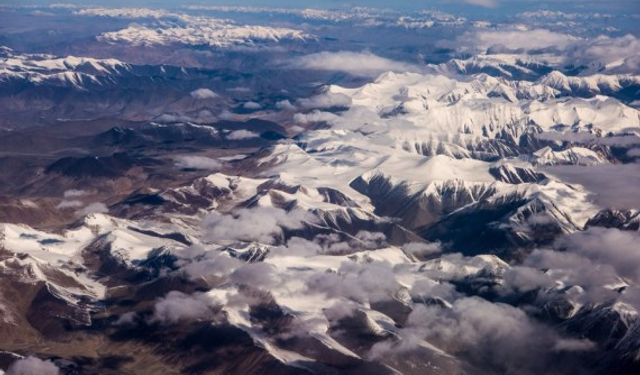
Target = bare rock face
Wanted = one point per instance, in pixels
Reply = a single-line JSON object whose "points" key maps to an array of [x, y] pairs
{"points": [[620, 219]]}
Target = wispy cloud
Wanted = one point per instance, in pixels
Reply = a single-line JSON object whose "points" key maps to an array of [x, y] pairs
{"points": [[483, 3], [356, 63], [197, 162]]}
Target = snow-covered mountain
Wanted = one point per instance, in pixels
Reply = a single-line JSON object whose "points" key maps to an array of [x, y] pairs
{"points": [[70, 71], [34, 86], [546, 70], [482, 118], [180, 28], [410, 196], [83, 73], [617, 85], [208, 32]]}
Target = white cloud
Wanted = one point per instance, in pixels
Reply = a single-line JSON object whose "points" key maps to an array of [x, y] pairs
{"points": [[285, 105], [168, 118], [63, 6], [615, 54], [263, 224], [422, 249], [93, 208], [203, 117], [69, 204], [370, 240], [72, 193], [516, 39], [33, 366], [239, 89], [356, 63], [315, 116], [251, 105], [203, 93], [177, 306], [609, 246], [426, 288], [331, 244], [574, 345], [366, 282], [613, 185], [257, 275], [325, 100], [593, 259], [197, 162], [524, 279], [202, 264], [483, 3], [126, 319], [241, 134], [633, 152], [491, 334], [548, 14], [123, 12], [39, 13], [297, 246], [619, 54]]}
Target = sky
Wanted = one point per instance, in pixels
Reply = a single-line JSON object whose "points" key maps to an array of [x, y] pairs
{"points": [[460, 5]]}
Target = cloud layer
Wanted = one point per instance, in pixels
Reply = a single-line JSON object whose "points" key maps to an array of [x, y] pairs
{"points": [[197, 162], [33, 366], [357, 63]]}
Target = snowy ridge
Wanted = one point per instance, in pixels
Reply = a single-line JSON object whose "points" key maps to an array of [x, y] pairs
{"points": [[213, 33], [512, 66], [123, 12], [362, 16], [180, 28], [545, 69], [55, 260], [570, 156], [420, 190], [484, 117], [70, 71], [408, 144], [594, 84]]}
